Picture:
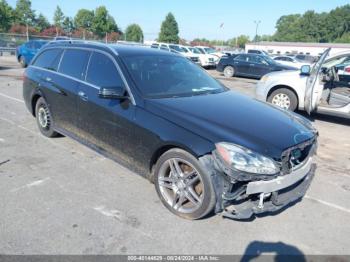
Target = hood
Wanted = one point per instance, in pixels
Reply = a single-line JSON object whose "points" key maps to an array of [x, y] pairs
{"points": [[279, 66], [234, 118], [283, 74]]}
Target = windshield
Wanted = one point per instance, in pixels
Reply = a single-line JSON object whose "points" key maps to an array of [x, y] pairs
{"points": [[194, 50], [336, 61], [269, 60], [209, 50], [170, 76], [176, 48]]}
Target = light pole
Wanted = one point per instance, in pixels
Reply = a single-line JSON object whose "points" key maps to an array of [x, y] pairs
{"points": [[256, 30]]}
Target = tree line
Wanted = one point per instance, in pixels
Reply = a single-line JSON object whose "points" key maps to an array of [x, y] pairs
{"points": [[90, 24], [333, 26]]}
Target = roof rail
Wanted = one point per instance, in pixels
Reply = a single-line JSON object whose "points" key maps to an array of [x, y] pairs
{"points": [[82, 41]]}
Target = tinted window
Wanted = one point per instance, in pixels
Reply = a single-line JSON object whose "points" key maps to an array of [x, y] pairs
{"points": [[74, 63], [256, 59], [242, 58], [102, 72], [49, 59]]}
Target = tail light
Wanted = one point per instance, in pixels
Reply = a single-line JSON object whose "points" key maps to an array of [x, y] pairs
{"points": [[347, 69]]}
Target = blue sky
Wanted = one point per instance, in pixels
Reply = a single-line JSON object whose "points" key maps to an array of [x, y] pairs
{"points": [[195, 18]]}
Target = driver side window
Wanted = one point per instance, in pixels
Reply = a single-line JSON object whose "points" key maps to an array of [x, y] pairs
{"points": [[102, 72]]}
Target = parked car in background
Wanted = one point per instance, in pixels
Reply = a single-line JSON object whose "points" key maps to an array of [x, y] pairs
{"points": [[28, 50], [177, 49], [306, 58], [249, 65], [205, 60], [289, 61], [319, 88], [257, 51], [210, 51], [152, 111]]}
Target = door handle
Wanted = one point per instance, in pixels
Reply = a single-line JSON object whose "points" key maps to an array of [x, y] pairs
{"points": [[252, 64], [82, 96]]}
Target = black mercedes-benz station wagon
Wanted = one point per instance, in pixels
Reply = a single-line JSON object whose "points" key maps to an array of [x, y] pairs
{"points": [[207, 149]]}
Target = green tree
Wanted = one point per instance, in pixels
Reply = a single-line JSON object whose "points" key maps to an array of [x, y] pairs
{"points": [[24, 13], [242, 40], [169, 31], [345, 38], [103, 22], [134, 33], [84, 19], [6, 16], [41, 23], [58, 17], [68, 25]]}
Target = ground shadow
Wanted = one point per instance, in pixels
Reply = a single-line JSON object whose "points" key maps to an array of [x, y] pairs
{"points": [[274, 251], [327, 118]]}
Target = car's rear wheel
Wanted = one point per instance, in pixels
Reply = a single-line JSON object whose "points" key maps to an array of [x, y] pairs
{"points": [[284, 98], [229, 71], [22, 61], [44, 118], [183, 185]]}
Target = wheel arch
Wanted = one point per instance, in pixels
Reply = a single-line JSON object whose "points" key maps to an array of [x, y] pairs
{"points": [[276, 87], [166, 147]]}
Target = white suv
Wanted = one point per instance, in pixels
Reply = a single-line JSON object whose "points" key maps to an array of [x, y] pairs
{"points": [[206, 60], [211, 51]]}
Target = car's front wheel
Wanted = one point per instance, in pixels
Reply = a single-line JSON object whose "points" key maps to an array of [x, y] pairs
{"points": [[183, 185], [44, 118], [284, 98], [229, 71]]}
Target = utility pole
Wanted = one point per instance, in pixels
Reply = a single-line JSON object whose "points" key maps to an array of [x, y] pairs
{"points": [[256, 30]]}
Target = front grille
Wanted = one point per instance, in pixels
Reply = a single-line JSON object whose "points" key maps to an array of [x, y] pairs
{"points": [[211, 59], [297, 155]]}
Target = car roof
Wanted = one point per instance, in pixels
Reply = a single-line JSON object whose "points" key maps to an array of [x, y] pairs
{"points": [[118, 49]]}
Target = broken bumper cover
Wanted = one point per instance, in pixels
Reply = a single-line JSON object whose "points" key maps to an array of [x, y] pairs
{"points": [[275, 194]]}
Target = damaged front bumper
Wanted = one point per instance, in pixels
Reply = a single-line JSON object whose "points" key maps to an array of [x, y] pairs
{"points": [[245, 197], [273, 195]]}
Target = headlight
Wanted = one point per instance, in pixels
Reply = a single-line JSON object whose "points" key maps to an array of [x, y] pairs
{"points": [[264, 78], [245, 160]]}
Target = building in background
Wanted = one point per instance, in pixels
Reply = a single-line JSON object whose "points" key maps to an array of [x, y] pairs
{"points": [[286, 48]]}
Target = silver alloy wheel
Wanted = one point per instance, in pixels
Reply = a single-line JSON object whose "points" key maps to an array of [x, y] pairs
{"points": [[44, 117], [229, 71], [281, 100], [181, 185]]}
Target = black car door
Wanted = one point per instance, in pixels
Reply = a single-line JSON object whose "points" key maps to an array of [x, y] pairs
{"points": [[241, 64], [64, 87], [58, 90], [105, 123], [258, 66]]}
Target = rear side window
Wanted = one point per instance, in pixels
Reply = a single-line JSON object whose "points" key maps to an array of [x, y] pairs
{"points": [[74, 63], [102, 72], [242, 58], [49, 59]]}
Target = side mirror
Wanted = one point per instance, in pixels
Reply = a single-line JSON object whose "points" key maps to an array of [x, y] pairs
{"points": [[305, 70], [117, 92]]}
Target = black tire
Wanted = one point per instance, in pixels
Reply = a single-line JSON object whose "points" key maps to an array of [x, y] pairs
{"points": [[22, 61], [286, 93], [229, 71], [207, 196], [42, 108]]}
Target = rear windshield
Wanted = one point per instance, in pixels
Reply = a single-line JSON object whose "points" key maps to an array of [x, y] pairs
{"points": [[170, 76]]}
